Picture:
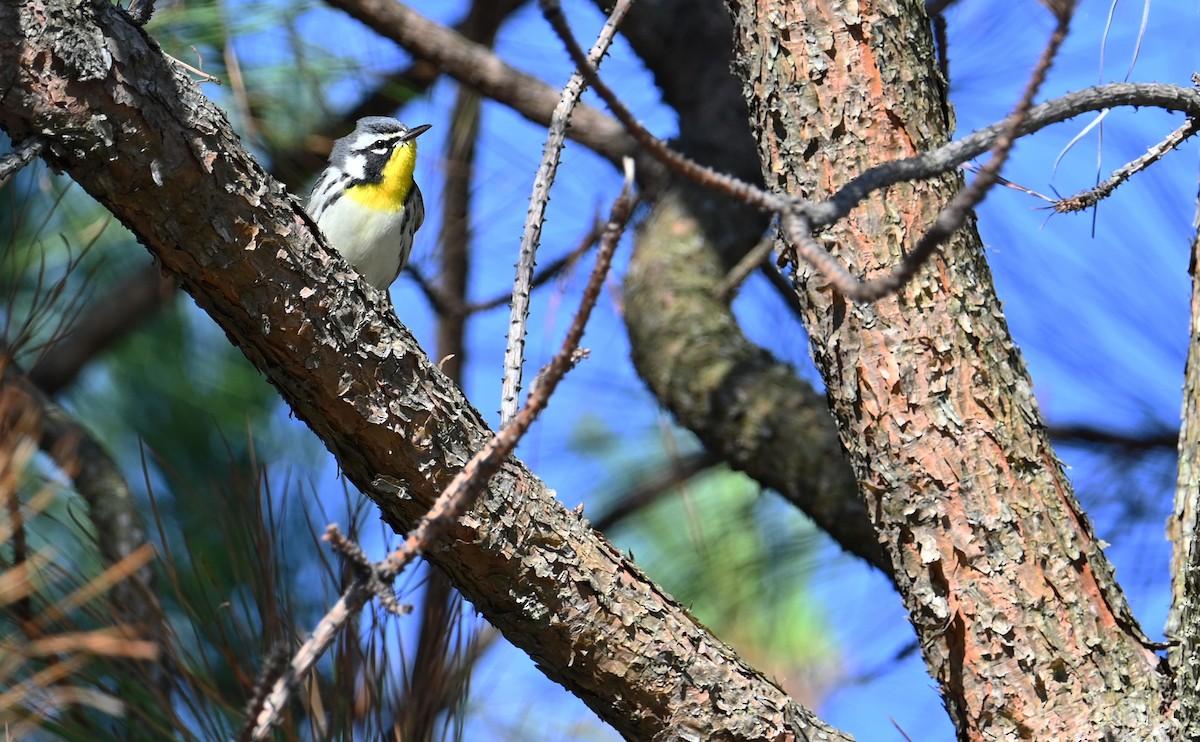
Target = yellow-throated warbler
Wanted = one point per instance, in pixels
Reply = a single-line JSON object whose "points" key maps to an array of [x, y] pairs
{"points": [[366, 202]]}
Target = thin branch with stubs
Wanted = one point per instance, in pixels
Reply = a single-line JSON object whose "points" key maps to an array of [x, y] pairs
{"points": [[531, 237], [1092, 196], [475, 65], [676, 162], [457, 497], [552, 270], [950, 218]]}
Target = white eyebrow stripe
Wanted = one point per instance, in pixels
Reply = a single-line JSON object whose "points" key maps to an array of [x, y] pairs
{"points": [[366, 141]]}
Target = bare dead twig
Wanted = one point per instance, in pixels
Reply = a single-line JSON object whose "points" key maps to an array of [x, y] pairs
{"points": [[456, 498], [514, 351], [204, 76], [952, 155], [377, 578], [553, 269], [441, 303], [952, 216], [751, 261], [678, 163], [274, 664], [1092, 196], [782, 285], [444, 304], [475, 65]]}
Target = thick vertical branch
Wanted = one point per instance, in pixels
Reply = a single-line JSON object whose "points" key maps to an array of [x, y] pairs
{"points": [[1019, 617], [743, 404]]}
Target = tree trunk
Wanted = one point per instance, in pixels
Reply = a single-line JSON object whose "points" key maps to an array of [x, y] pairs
{"points": [[1184, 621], [1015, 605]]}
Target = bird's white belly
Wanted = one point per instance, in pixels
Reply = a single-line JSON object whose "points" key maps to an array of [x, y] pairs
{"points": [[369, 239]]}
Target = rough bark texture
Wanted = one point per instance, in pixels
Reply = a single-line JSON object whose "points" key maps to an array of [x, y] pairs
{"points": [[1183, 625], [140, 138], [1019, 617]]}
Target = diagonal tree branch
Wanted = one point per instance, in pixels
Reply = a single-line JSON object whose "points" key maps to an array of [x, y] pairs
{"points": [[531, 236], [138, 136], [109, 318]]}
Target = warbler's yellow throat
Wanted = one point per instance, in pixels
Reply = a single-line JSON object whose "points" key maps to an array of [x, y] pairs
{"points": [[374, 225]]}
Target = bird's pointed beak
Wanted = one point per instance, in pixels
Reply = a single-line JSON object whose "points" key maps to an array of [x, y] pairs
{"points": [[417, 131]]}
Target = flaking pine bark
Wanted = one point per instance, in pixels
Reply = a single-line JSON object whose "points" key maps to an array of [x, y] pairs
{"points": [[1018, 615]]}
